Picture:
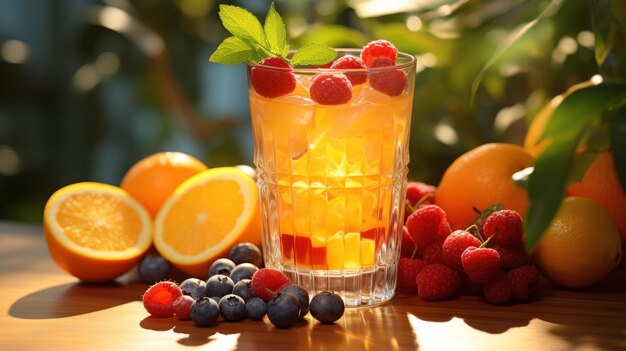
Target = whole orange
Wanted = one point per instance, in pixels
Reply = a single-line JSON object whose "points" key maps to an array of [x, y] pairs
{"points": [[153, 179], [481, 178], [601, 185]]}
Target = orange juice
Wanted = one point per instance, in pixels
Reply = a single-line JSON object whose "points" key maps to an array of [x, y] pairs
{"points": [[332, 180]]}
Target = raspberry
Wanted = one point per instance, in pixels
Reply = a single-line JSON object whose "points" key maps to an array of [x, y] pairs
{"points": [[351, 62], [407, 272], [271, 82], [266, 282], [330, 89], [454, 245], [159, 299], [512, 256], [505, 226], [376, 49], [498, 290], [407, 249], [182, 307], [387, 81], [432, 253], [418, 191], [469, 286], [428, 224], [481, 264], [523, 280], [437, 282]]}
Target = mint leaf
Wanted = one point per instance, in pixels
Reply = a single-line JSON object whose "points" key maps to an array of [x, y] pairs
{"points": [[313, 54], [232, 51], [275, 32], [241, 23]]}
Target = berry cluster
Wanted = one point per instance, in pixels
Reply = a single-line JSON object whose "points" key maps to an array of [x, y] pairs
{"points": [[335, 88], [236, 289], [438, 263]]}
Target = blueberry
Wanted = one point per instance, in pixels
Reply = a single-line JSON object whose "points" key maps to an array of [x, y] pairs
{"points": [[232, 308], [256, 308], [219, 285], [216, 299], [193, 287], [327, 307], [242, 289], [205, 311], [283, 310], [302, 296], [221, 266], [243, 271], [154, 268], [246, 253]]}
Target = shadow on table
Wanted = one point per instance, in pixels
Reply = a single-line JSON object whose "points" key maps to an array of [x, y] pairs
{"points": [[73, 299]]}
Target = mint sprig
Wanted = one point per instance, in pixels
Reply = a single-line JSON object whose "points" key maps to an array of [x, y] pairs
{"points": [[252, 42]]}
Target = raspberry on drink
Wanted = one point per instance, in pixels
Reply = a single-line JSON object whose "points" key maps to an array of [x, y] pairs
{"points": [[273, 82], [330, 89], [388, 81], [351, 62], [377, 49]]}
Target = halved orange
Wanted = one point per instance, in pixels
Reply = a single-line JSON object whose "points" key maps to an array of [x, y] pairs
{"points": [[205, 217], [95, 231]]}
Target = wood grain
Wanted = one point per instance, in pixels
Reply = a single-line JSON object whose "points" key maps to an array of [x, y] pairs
{"points": [[46, 309]]}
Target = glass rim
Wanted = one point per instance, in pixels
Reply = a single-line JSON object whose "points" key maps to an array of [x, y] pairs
{"points": [[411, 60]]}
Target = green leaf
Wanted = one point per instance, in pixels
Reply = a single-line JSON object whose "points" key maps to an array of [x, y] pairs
{"points": [[604, 30], [618, 144], [313, 54], [275, 32], [232, 51], [243, 24], [555, 165]]}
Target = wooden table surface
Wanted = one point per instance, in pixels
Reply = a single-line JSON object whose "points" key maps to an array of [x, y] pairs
{"points": [[45, 309]]}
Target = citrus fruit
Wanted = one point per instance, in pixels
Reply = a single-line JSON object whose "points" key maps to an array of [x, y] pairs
{"points": [[481, 178], [205, 217], [95, 231], [538, 124], [581, 245], [601, 185], [153, 179]]}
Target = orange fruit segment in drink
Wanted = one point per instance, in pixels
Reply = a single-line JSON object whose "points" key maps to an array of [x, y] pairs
{"points": [[95, 231], [205, 217], [153, 179]]}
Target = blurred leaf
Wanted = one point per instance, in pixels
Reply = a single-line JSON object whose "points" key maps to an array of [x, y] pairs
{"points": [[511, 39], [554, 165], [243, 24], [333, 35], [275, 32], [313, 54], [618, 144], [232, 51], [610, 51]]}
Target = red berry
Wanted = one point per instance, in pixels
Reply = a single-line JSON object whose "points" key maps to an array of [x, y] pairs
{"points": [[326, 65], [330, 89], [407, 249], [428, 224], [376, 49], [437, 282], [523, 280], [432, 253], [505, 226], [481, 264], [454, 245], [512, 256], [387, 81], [159, 299], [272, 82], [266, 282], [407, 272], [418, 191], [182, 307], [498, 290], [469, 286], [351, 62]]}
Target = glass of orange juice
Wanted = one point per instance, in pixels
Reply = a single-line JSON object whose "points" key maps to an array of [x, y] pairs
{"points": [[332, 173]]}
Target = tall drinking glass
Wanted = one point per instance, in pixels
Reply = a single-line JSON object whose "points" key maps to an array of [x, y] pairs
{"points": [[332, 181]]}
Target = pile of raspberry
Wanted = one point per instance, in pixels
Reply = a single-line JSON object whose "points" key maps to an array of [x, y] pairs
{"points": [[487, 259]]}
